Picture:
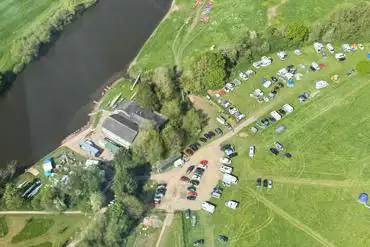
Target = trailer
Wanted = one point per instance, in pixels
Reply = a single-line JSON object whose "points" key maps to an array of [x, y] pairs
{"points": [[208, 207]]}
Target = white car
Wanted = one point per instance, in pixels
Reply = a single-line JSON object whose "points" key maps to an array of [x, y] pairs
{"points": [[267, 84], [225, 161], [269, 185], [315, 66], [232, 110], [346, 47], [340, 56], [232, 204], [226, 169], [251, 151], [275, 115], [243, 76], [330, 48], [318, 47], [360, 46]]}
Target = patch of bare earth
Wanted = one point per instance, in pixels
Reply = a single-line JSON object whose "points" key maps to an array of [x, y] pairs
{"points": [[272, 12]]}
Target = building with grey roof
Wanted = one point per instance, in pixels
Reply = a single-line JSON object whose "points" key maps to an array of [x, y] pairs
{"points": [[122, 126]]}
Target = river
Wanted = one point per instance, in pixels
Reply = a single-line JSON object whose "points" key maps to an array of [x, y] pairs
{"points": [[53, 95]]}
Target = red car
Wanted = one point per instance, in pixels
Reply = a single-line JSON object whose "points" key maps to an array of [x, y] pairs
{"points": [[204, 162]]}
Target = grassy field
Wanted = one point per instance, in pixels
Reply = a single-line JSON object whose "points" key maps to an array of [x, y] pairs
{"points": [[41, 231], [33, 229], [19, 18], [183, 35], [314, 198]]}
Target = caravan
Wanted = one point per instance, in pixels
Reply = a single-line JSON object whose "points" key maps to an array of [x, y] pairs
{"points": [[208, 207], [229, 179]]}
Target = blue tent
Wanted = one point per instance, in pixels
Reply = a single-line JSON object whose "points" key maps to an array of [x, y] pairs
{"points": [[368, 55], [363, 198], [290, 83]]}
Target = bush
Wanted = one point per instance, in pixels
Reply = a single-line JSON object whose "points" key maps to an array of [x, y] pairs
{"points": [[33, 229]]}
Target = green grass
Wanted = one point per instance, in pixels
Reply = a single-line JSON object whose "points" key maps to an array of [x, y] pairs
{"points": [[51, 230], [314, 198], [3, 227], [33, 229], [178, 42], [44, 244]]}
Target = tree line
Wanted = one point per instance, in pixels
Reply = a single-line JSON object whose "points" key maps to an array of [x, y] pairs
{"points": [[27, 47]]}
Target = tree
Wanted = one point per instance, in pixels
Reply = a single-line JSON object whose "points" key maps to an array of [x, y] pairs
{"points": [[172, 111], [297, 32], [363, 67], [149, 145], [192, 123], [96, 201], [123, 183], [173, 139], [209, 71], [133, 207], [146, 97], [12, 199], [165, 88]]}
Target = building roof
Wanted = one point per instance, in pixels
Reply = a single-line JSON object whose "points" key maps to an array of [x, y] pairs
{"points": [[121, 126], [136, 114]]}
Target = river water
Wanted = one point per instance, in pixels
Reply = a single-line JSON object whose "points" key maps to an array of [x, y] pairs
{"points": [[53, 95]]}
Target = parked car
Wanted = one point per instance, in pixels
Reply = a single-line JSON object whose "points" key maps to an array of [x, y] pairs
{"points": [[251, 151], [211, 133], [226, 146], [288, 155], [194, 182], [191, 188], [265, 183], [195, 146], [279, 146], [269, 183], [258, 182], [203, 139], [232, 155], [218, 131], [190, 169], [232, 204], [191, 193], [274, 151], [207, 136], [189, 151], [274, 79], [198, 242], [222, 239]]}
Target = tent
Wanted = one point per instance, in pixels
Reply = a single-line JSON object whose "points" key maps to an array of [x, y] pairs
{"points": [[48, 165], [363, 198], [290, 83]]}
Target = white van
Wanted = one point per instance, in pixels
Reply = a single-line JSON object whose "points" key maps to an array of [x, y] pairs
{"points": [[226, 169]]}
